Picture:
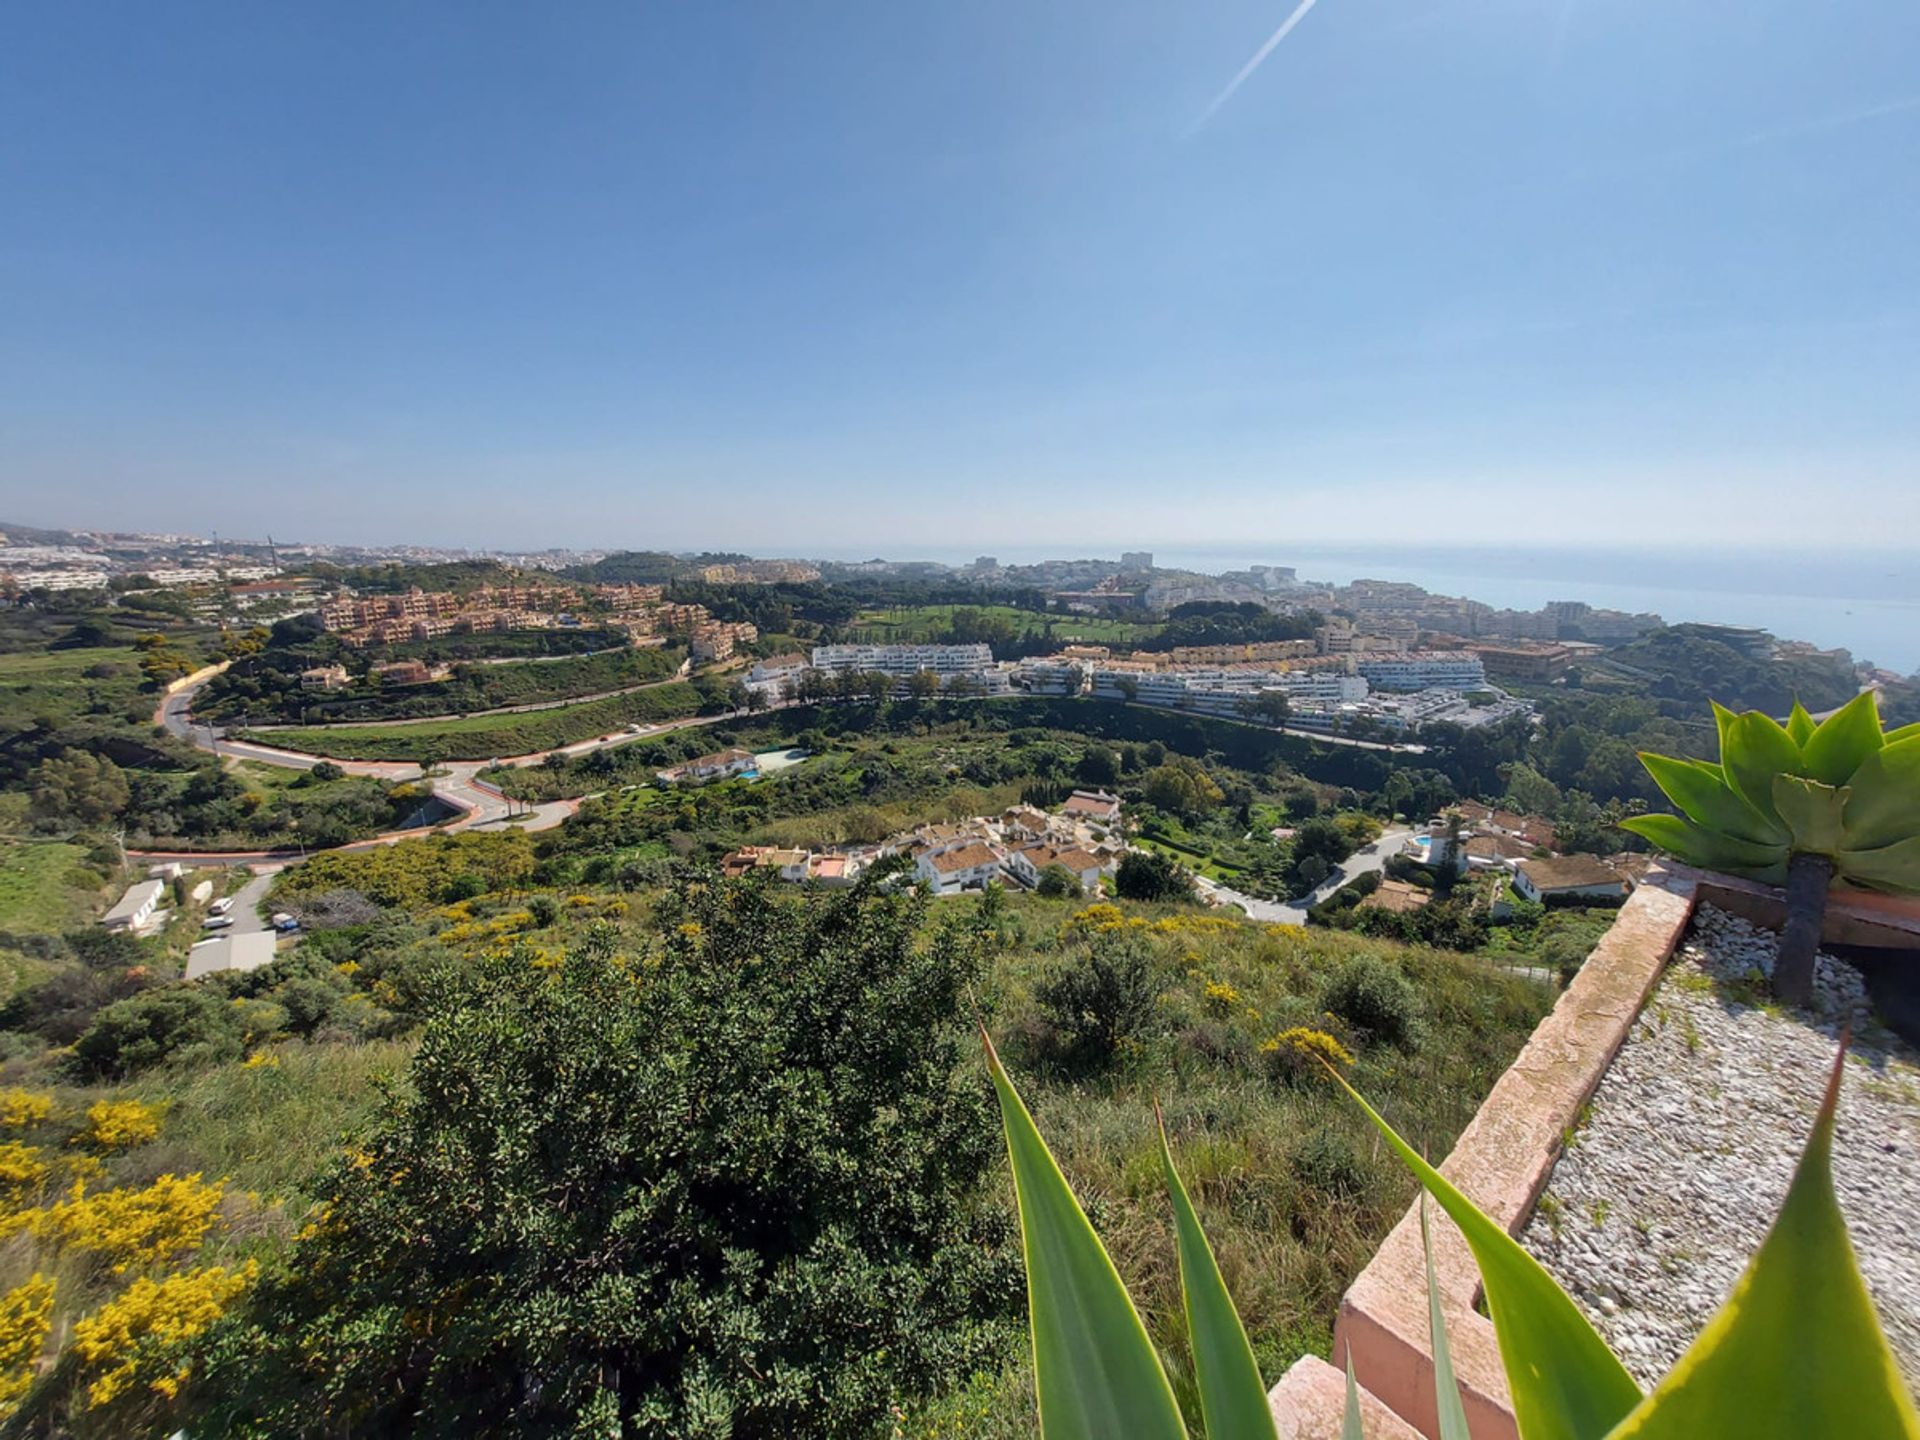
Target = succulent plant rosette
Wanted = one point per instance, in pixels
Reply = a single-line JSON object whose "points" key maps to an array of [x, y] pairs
{"points": [[1803, 805]]}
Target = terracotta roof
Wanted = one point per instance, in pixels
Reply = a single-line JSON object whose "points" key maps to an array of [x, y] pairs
{"points": [[1395, 895], [1570, 872], [1499, 847], [966, 857]]}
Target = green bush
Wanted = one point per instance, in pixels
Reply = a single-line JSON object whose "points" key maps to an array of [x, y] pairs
{"points": [[1373, 995], [1326, 1160], [1103, 1000], [1149, 875], [187, 1022], [729, 1189]]}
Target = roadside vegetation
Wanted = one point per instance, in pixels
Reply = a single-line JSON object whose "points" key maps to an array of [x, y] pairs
{"points": [[484, 737], [266, 689]]}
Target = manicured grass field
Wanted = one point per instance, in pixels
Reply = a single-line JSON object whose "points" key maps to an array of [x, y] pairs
{"points": [[483, 737]]}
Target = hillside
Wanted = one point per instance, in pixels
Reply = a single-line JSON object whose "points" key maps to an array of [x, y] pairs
{"points": [[1184, 1005]]}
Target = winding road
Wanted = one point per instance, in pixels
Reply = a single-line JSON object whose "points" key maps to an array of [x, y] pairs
{"points": [[458, 784], [1294, 912]]}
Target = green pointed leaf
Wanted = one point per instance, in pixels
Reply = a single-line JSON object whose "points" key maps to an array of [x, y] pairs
{"points": [[1757, 749], [1702, 793], [1891, 867], [1446, 1390], [1094, 1368], [1231, 1395], [1844, 740], [1905, 732], [1692, 845], [1797, 1350], [1723, 721], [1350, 1422], [1566, 1384], [1812, 811], [1800, 725], [1884, 807]]}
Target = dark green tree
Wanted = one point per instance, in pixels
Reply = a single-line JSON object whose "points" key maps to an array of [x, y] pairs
{"points": [[728, 1188]]}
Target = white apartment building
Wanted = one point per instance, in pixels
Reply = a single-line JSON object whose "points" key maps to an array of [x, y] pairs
{"points": [[1423, 670], [1212, 691], [1045, 675], [135, 909], [943, 660]]}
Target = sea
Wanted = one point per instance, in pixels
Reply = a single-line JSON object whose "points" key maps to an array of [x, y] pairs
{"points": [[1866, 601]]}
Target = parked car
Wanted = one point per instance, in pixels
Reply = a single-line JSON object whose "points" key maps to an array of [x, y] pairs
{"points": [[216, 922], [285, 923], [221, 906]]}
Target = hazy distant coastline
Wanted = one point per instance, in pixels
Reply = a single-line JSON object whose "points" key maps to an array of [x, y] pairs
{"points": [[1867, 601]]}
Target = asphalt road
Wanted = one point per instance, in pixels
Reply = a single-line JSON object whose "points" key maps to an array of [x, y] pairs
{"points": [[1361, 862]]}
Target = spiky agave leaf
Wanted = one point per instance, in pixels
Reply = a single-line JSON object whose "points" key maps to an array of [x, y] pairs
{"points": [[1711, 850], [1095, 1372], [1232, 1398], [1883, 801], [1446, 1390], [1754, 750], [1700, 790], [1843, 741], [1797, 1350], [1566, 1383]]}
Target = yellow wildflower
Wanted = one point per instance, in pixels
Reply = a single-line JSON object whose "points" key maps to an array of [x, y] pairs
{"points": [[120, 1124], [22, 1109], [1220, 997], [135, 1329], [137, 1227], [21, 1168], [26, 1315]]}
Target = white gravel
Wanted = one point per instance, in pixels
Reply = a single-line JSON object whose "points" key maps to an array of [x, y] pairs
{"points": [[1684, 1156]]}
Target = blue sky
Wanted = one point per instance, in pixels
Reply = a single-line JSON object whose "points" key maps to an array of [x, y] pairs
{"points": [[862, 274]]}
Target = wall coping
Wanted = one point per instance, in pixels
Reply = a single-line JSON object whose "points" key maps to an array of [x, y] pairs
{"points": [[1501, 1162]]}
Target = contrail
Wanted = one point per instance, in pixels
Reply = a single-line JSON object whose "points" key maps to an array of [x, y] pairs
{"points": [[1246, 70]]}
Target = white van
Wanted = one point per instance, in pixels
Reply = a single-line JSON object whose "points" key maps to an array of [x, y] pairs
{"points": [[221, 906]]}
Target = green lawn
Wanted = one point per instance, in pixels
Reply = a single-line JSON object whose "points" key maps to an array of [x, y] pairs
{"points": [[37, 889]]}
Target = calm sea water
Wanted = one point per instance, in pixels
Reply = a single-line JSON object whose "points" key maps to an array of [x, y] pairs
{"points": [[1867, 601]]}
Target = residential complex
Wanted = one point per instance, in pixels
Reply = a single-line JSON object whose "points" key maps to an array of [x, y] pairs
{"points": [[971, 666]]}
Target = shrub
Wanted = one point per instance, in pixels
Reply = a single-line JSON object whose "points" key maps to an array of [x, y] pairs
{"points": [[1326, 1160], [132, 1335], [1056, 882], [1149, 875], [178, 1021], [131, 1228], [1297, 1054], [1104, 1000], [120, 1124], [623, 1188], [26, 1318], [1373, 995], [23, 1109], [327, 770]]}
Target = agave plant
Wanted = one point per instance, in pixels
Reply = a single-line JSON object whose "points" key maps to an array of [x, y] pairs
{"points": [[1800, 805], [1796, 1351]]}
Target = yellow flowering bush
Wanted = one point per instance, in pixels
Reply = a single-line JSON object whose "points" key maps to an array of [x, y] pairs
{"points": [[23, 1109], [26, 1316], [1220, 997], [128, 1339], [120, 1124], [21, 1169], [1296, 1053], [136, 1227]]}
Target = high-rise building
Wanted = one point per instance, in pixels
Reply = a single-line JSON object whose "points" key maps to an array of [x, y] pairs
{"points": [[1136, 560]]}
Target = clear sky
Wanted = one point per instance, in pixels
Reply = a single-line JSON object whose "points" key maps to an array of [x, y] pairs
{"points": [[871, 273]]}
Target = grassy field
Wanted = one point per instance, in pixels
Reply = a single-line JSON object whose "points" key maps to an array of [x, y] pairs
{"points": [[918, 623], [56, 683], [483, 737], [38, 890]]}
